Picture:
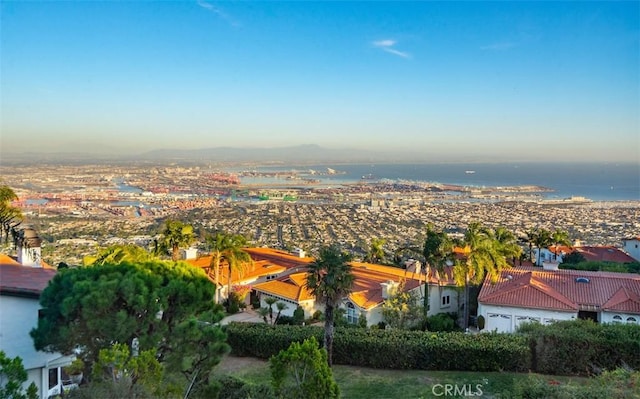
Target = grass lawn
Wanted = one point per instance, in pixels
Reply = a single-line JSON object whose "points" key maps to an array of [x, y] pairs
{"points": [[362, 382]]}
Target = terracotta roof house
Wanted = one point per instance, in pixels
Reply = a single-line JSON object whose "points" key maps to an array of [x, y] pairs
{"points": [[22, 280], [372, 286], [600, 253], [525, 294]]}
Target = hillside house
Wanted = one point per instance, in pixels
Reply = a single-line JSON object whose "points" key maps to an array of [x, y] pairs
{"points": [[529, 294]]}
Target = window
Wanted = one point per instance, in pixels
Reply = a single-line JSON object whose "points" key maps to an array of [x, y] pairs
{"points": [[446, 301], [617, 319], [352, 314], [53, 377], [631, 320]]}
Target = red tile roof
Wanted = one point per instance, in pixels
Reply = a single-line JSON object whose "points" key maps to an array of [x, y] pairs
{"points": [[604, 254], [558, 290], [16, 279]]}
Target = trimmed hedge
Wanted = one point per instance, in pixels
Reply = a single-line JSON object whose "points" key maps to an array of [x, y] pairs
{"points": [[582, 346], [390, 349]]}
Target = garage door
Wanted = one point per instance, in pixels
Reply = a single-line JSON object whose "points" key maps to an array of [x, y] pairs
{"points": [[526, 319], [499, 322]]}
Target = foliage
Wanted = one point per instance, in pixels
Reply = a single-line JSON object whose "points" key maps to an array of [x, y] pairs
{"points": [[114, 254], [392, 349], [481, 322], [13, 375], [10, 216], [115, 365], [632, 267], [302, 371], [233, 303], [559, 237], [76, 367], [92, 307], [362, 320], [228, 247], [230, 387], [617, 384], [197, 348], [582, 346], [401, 310], [329, 280], [572, 258], [298, 316], [268, 310], [175, 235], [441, 322], [376, 253]]}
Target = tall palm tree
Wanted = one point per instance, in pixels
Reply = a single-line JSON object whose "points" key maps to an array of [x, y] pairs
{"points": [[376, 250], [229, 247], [176, 235], [330, 279], [532, 236], [10, 216], [559, 237], [507, 243], [436, 250], [483, 258], [116, 254], [542, 240]]}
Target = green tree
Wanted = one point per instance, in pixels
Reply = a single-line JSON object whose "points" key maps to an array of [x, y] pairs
{"points": [[506, 242], [329, 280], [401, 310], [436, 250], [93, 307], [542, 239], [302, 372], [573, 258], [559, 237], [198, 347], [483, 258], [12, 376], [176, 235], [114, 254], [230, 248], [376, 254], [137, 372], [10, 216]]}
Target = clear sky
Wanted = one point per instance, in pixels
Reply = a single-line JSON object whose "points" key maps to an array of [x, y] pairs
{"points": [[539, 80]]}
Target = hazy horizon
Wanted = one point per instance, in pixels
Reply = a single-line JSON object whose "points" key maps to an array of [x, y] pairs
{"points": [[484, 81]]}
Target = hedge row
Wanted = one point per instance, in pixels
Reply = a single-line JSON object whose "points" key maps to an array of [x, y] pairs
{"points": [[391, 349], [583, 347]]}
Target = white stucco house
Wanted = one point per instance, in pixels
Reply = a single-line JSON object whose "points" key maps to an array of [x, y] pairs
{"points": [[21, 283], [631, 246], [529, 294]]}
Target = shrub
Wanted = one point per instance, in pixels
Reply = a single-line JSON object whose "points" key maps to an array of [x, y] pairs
{"points": [[394, 349], [318, 315], [298, 316], [441, 322], [480, 322]]}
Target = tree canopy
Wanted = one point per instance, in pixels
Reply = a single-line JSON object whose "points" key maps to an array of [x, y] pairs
{"points": [[10, 216], [176, 235], [91, 308]]}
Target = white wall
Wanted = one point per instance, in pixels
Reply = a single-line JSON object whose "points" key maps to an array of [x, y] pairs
{"points": [[436, 295], [610, 317], [632, 247], [308, 306], [17, 317], [507, 319]]}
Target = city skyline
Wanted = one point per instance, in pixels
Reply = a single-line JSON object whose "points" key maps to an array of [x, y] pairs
{"points": [[530, 81]]}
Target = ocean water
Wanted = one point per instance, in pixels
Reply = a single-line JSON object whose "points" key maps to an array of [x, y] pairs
{"points": [[596, 181]]}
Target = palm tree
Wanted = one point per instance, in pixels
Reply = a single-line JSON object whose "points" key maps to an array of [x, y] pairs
{"points": [[376, 250], [483, 258], [230, 248], [329, 279], [559, 237], [10, 216], [176, 235], [507, 243], [436, 250], [116, 254], [532, 236], [542, 240]]}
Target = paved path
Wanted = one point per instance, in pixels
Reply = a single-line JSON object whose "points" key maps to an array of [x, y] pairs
{"points": [[248, 316]]}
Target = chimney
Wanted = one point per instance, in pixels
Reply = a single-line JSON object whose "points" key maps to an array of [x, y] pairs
{"points": [[388, 288], [299, 252], [189, 253], [28, 246], [550, 265]]}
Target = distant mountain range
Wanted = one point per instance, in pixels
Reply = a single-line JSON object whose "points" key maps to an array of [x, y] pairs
{"points": [[302, 154]]}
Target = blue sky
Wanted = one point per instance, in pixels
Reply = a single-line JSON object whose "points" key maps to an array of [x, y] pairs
{"points": [[499, 80]]}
